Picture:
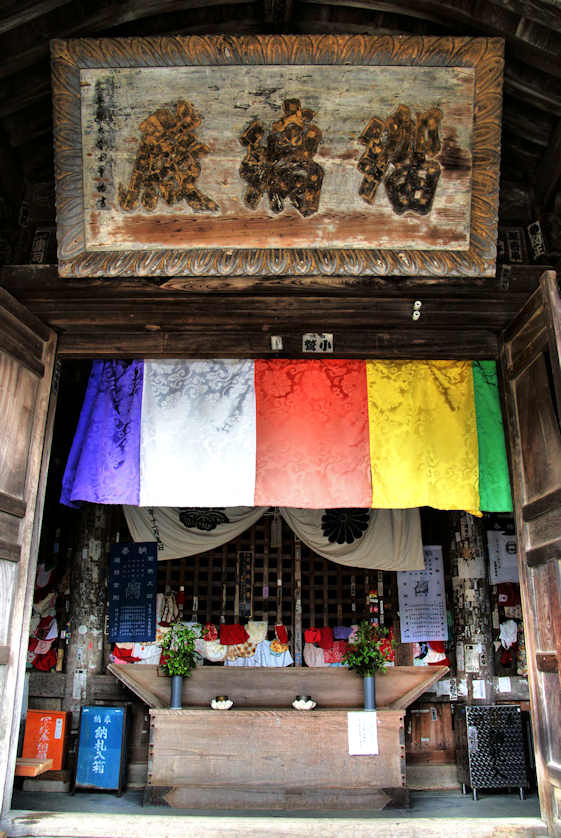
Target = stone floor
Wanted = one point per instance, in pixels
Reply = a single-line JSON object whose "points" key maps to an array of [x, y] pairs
{"points": [[433, 804], [445, 814]]}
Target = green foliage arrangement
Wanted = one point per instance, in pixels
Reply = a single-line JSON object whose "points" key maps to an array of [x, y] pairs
{"points": [[371, 651], [178, 647]]}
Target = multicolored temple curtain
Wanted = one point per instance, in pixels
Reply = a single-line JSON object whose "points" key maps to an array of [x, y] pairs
{"points": [[314, 434]]}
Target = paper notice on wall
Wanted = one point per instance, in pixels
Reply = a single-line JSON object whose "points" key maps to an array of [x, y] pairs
{"points": [[478, 687], [503, 559], [422, 600], [472, 652], [460, 657], [472, 567], [504, 685], [443, 687], [79, 684], [362, 733]]}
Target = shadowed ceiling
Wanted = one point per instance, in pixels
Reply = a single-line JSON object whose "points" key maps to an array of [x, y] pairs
{"points": [[531, 141]]}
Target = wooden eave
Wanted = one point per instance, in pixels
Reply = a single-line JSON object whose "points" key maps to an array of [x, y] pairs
{"points": [[235, 317]]}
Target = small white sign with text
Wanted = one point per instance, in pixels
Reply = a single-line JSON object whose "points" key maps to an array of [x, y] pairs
{"points": [[363, 733]]}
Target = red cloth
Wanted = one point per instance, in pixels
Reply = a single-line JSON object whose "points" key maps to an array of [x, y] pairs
{"points": [[313, 445], [437, 646], [210, 632], [336, 653], [312, 635], [508, 594], [325, 638], [46, 661], [233, 635], [124, 655], [444, 662], [281, 633]]}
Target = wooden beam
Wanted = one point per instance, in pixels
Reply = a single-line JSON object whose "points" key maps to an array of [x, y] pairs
{"points": [[31, 47], [29, 11], [540, 11], [370, 317], [549, 171], [9, 551], [464, 19], [12, 505], [26, 767]]}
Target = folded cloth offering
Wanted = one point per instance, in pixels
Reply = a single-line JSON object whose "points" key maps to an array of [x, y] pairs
{"points": [[233, 635], [326, 638]]}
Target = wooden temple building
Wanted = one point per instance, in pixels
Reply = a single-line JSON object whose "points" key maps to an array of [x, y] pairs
{"points": [[343, 185]]}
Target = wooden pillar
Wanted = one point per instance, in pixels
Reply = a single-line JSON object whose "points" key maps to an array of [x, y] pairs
{"points": [[473, 627], [84, 657]]}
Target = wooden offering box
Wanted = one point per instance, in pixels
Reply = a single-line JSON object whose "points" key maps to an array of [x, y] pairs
{"points": [[272, 759], [262, 754]]}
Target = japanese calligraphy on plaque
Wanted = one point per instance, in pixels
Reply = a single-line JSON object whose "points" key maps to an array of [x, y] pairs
{"points": [[167, 162], [407, 148], [283, 166], [263, 155]]}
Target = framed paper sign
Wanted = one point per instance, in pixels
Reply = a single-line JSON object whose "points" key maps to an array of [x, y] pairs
{"points": [[277, 155]]}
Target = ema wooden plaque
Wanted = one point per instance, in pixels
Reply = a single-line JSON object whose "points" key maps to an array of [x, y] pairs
{"points": [[289, 155]]}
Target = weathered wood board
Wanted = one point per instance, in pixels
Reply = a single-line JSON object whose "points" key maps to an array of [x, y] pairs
{"points": [[277, 155], [261, 687], [277, 759], [116, 102]]}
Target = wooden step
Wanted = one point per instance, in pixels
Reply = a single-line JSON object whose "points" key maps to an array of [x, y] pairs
{"points": [[26, 767]]}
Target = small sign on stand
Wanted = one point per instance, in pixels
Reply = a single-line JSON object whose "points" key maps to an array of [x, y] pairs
{"points": [[101, 761]]}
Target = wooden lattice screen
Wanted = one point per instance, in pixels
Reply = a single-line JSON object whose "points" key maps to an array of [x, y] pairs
{"points": [[250, 577]]}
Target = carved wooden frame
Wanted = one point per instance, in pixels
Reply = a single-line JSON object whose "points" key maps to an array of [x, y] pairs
{"points": [[484, 55]]}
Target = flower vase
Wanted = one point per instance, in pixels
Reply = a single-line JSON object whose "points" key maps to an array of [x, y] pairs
{"points": [[176, 690], [369, 688]]}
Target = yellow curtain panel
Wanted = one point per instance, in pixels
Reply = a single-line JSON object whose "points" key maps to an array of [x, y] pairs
{"points": [[423, 434]]}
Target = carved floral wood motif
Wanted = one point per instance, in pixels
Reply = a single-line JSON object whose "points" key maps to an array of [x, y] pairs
{"points": [[277, 155]]}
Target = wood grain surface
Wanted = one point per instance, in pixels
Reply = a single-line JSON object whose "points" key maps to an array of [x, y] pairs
{"points": [[271, 759]]}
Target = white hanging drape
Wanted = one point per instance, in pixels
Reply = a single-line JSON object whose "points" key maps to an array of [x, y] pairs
{"points": [[379, 539]]}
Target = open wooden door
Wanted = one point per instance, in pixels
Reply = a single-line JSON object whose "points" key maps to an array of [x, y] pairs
{"points": [[531, 366], [27, 356]]}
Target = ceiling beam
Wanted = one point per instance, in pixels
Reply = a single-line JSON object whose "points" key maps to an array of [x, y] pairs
{"points": [[546, 12], [32, 46], [548, 173], [474, 19], [277, 13], [29, 11]]}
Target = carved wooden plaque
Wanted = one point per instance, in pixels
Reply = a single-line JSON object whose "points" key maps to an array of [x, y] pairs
{"points": [[279, 155]]}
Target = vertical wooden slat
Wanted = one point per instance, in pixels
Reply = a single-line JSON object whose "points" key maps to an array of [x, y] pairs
{"points": [[195, 606], [339, 595], [252, 582], [279, 584], [223, 584], [237, 589], [265, 591], [325, 595], [297, 622], [209, 588]]}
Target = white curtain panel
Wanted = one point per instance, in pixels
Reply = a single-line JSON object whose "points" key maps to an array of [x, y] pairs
{"points": [[198, 438], [185, 531], [379, 539], [392, 540]]}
